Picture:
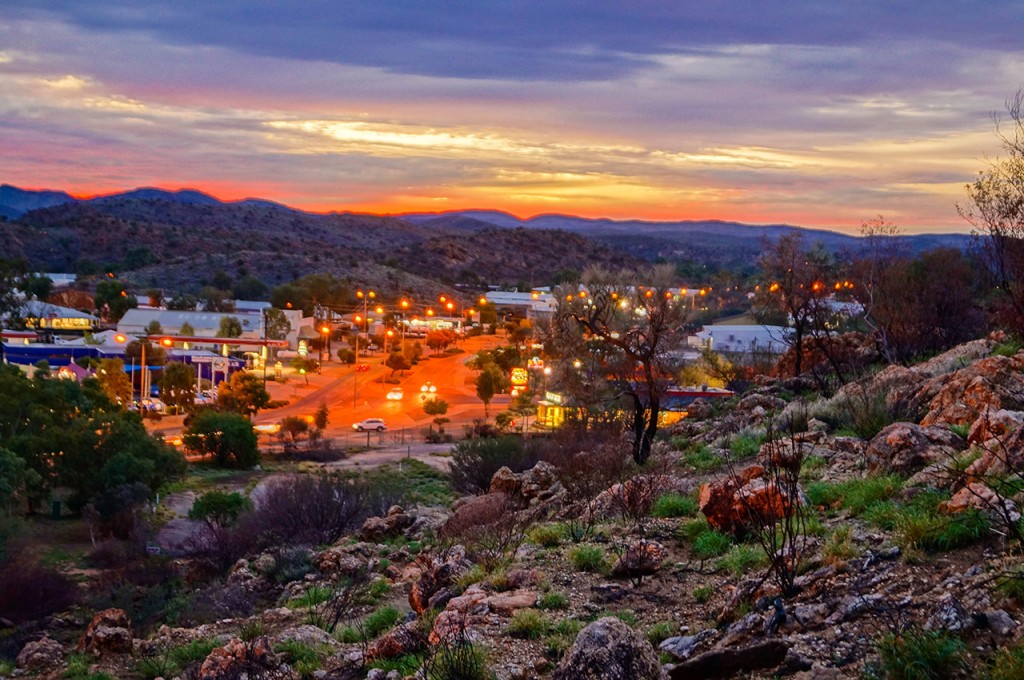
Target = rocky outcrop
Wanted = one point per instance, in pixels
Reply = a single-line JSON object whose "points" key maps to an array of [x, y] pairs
{"points": [[438, 576], [730, 662], [907, 447], [405, 639], [376, 529], [40, 655], [539, 483], [985, 386], [608, 649], [306, 635], [109, 632], [979, 496], [729, 503], [239, 659], [339, 562]]}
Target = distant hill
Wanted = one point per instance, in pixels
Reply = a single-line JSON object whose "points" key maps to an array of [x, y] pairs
{"points": [[179, 240], [183, 236], [15, 202]]}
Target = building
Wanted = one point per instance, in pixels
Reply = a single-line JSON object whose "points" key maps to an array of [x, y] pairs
{"points": [[44, 316], [742, 339], [535, 305]]}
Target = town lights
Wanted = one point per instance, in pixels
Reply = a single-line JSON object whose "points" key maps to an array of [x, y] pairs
{"points": [[120, 338], [166, 342], [482, 301], [325, 330], [404, 304], [430, 312]]}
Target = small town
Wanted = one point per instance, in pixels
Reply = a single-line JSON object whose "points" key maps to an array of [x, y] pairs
{"points": [[647, 342]]}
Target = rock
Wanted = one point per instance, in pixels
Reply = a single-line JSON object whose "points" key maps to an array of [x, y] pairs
{"points": [[508, 603], [477, 511], [40, 655], [699, 409], [238, 659], [463, 611], [438, 575], [608, 592], [524, 578], [987, 385], [505, 481], [991, 425], [339, 562], [853, 606], [682, 647], [810, 615], [404, 639], [307, 635], [729, 503], [640, 559], [998, 620], [906, 447], [979, 496], [608, 649], [109, 632], [374, 529], [950, 615], [765, 402], [728, 663]]}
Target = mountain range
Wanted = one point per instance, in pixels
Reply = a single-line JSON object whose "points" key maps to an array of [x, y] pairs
{"points": [[277, 242]]}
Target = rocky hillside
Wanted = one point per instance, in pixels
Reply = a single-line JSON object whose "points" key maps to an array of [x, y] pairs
{"points": [[864, 534], [181, 245]]}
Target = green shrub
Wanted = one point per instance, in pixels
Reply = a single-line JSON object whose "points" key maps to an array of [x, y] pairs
{"points": [[694, 529], [1008, 663], [921, 655], [78, 669], [661, 631], [711, 544], [813, 467], [316, 595], [196, 650], [474, 461], [745, 446], [854, 495], [406, 665], [303, 658], [474, 574], [1011, 585], [460, 660], [553, 600], [378, 589], [921, 525], [590, 558], [703, 593], [703, 460], [528, 624], [381, 621], [743, 558], [674, 505], [1008, 347], [839, 546], [547, 535]]}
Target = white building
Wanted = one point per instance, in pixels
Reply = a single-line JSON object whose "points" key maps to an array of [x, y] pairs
{"points": [[741, 339]]}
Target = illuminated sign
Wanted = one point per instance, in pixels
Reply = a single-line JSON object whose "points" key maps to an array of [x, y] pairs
{"points": [[553, 397], [63, 324], [519, 377], [303, 349]]}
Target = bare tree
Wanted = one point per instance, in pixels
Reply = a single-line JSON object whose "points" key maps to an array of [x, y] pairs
{"points": [[630, 322]]}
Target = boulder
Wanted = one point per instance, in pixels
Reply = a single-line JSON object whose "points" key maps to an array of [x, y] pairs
{"points": [[404, 639], [438, 575], [505, 481], [509, 603], [766, 402], [339, 562], [238, 659], [374, 530], [993, 425], [682, 647], [640, 559], [539, 483], [307, 635], [699, 409], [109, 632], [731, 662], [608, 649], [987, 385], [461, 613], [40, 655], [980, 496], [906, 447], [729, 503]]}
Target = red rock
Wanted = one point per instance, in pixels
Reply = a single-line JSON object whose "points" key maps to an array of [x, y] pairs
{"points": [[508, 603], [405, 639], [109, 632], [907, 447], [640, 559], [237, 659]]}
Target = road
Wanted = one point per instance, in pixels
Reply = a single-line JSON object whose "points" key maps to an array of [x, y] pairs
{"points": [[352, 396]]}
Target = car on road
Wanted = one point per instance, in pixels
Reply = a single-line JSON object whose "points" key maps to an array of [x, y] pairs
{"points": [[396, 394], [370, 424], [428, 387]]}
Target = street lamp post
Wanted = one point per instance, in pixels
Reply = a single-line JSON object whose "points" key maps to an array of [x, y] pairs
{"points": [[365, 297]]}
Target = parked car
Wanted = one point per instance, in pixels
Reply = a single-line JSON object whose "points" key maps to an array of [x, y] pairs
{"points": [[374, 424], [428, 387], [396, 394]]}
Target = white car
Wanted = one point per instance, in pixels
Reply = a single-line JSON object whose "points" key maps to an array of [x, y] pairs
{"points": [[396, 394], [428, 387], [375, 424]]}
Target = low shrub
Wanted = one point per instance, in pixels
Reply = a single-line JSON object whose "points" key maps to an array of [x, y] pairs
{"points": [[474, 461], [589, 558], [553, 600], [743, 558], [703, 593], [674, 505], [745, 446], [305, 659], [381, 621], [854, 495], [529, 624], [548, 535], [703, 459], [661, 631], [711, 544], [920, 655], [1008, 663]]}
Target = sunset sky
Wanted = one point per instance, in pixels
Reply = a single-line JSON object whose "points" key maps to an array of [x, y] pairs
{"points": [[813, 113]]}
